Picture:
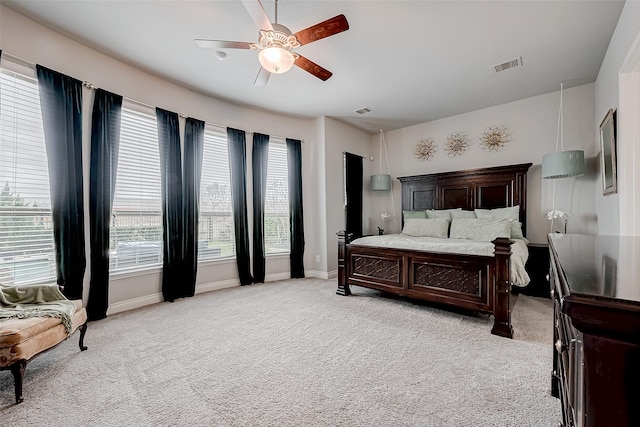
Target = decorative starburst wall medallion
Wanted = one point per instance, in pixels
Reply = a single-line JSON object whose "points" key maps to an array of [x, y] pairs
{"points": [[495, 138], [425, 149], [456, 144]]}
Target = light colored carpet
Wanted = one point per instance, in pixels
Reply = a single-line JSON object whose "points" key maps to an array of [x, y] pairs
{"points": [[532, 320], [288, 353]]}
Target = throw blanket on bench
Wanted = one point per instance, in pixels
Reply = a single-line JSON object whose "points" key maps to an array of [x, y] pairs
{"points": [[35, 301]]}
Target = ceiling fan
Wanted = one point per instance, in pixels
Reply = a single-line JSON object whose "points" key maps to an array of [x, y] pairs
{"points": [[276, 42]]}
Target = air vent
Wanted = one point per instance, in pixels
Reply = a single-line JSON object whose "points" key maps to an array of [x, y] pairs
{"points": [[509, 64], [364, 110]]}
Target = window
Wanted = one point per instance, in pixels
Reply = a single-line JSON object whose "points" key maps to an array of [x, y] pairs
{"points": [[26, 234], [136, 226], [276, 206], [216, 232]]}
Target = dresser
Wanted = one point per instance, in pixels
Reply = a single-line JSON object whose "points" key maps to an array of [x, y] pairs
{"points": [[595, 285]]}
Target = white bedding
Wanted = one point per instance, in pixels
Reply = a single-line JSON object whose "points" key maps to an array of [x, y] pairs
{"points": [[519, 251]]}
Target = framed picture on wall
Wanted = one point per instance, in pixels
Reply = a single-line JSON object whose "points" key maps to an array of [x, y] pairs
{"points": [[608, 153]]}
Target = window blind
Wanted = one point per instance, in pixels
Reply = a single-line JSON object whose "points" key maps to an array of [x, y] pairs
{"points": [[26, 234], [216, 232], [276, 207], [136, 227]]}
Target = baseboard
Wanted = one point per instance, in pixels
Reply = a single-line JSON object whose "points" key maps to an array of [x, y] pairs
{"points": [[277, 276], [215, 286], [326, 275], [312, 273], [134, 303], [156, 298]]}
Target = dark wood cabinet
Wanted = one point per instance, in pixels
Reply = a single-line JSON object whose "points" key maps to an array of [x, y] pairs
{"points": [[595, 285]]}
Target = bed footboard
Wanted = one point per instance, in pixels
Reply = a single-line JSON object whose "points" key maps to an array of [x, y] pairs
{"points": [[471, 282]]}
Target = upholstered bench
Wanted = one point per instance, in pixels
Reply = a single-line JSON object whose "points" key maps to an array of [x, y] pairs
{"points": [[21, 340]]}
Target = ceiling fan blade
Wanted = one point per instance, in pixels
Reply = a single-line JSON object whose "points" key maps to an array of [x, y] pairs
{"points": [[313, 68], [327, 28], [222, 44], [262, 78], [259, 16]]}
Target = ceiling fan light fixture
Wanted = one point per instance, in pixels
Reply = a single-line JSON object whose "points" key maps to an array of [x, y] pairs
{"points": [[276, 60], [276, 43]]}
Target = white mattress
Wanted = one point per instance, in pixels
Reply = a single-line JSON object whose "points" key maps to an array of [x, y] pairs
{"points": [[519, 251]]}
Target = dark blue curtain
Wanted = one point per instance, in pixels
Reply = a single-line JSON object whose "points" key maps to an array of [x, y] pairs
{"points": [[353, 188], [193, 146], [236, 141], [61, 104], [171, 179], [260, 158], [296, 223], [105, 141]]}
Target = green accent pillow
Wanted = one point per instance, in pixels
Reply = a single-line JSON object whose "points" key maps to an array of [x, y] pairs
{"points": [[414, 214]]}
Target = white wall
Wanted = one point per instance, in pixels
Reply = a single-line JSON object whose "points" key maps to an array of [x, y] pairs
{"points": [[533, 125], [32, 42], [318, 226], [340, 137], [617, 213]]}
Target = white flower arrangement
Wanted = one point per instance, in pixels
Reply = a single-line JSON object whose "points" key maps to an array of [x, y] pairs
{"points": [[554, 214], [384, 217]]}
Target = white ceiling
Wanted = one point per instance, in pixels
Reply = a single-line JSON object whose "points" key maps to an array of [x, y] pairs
{"points": [[409, 61]]}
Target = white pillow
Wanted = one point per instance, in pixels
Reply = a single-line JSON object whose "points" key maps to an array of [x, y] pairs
{"points": [[511, 213], [440, 213], [462, 214], [481, 229], [419, 227]]}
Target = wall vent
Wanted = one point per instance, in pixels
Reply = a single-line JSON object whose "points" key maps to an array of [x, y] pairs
{"points": [[364, 110], [517, 62]]}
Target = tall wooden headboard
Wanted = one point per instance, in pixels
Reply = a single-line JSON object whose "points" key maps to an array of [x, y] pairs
{"points": [[485, 188]]}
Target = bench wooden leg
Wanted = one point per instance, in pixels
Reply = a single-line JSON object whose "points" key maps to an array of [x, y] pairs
{"points": [[83, 330], [17, 369]]}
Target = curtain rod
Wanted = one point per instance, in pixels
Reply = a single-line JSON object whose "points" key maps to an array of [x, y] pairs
{"points": [[18, 60], [91, 86], [134, 101]]}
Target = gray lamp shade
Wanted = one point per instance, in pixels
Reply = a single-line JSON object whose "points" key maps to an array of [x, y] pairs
{"points": [[563, 164], [381, 182]]}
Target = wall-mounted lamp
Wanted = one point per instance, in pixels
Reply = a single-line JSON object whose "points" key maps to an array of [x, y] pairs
{"points": [[562, 164], [380, 181]]}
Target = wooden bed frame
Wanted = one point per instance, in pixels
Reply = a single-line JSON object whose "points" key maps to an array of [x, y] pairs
{"points": [[470, 282]]}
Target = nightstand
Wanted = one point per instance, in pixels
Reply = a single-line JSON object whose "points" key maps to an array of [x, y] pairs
{"points": [[538, 268]]}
